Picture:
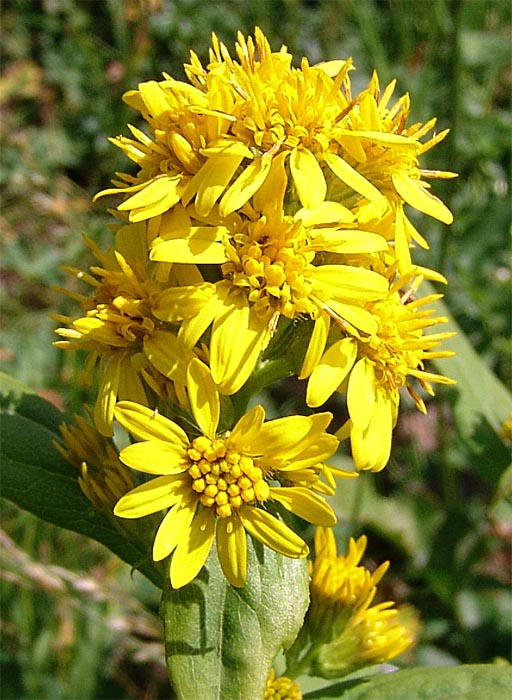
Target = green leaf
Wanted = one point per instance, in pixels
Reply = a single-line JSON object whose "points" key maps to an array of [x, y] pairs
{"points": [[471, 682], [480, 394], [37, 478], [220, 640]]}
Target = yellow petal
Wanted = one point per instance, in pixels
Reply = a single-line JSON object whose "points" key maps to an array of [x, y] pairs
{"points": [[361, 393], [168, 354], [154, 98], [247, 427], [172, 529], [243, 188], [304, 503], [270, 195], [193, 549], [110, 374], [354, 315], [272, 532], [318, 450], [332, 369], [347, 242], [371, 447], [210, 182], [193, 328], [176, 303], [402, 249], [346, 282], [232, 550], [308, 177], [151, 497], [158, 196], [237, 338], [349, 175], [325, 213], [154, 457], [418, 197], [277, 437], [316, 345], [201, 246], [146, 424], [204, 397]]}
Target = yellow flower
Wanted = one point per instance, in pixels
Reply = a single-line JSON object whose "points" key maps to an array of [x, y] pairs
{"points": [[372, 368], [103, 478], [214, 141], [372, 636], [268, 270], [119, 328], [342, 630], [339, 586], [281, 688], [218, 486]]}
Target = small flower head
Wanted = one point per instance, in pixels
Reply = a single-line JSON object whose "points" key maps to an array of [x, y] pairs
{"points": [[339, 586], [281, 688], [371, 368], [218, 486], [372, 636], [103, 478], [119, 328]]}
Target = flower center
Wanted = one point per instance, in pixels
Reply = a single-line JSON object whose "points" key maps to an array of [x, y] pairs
{"points": [[396, 348], [268, 260], [224, 478]]}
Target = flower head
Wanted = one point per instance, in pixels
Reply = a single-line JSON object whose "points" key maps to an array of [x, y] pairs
{"points": [[119, 328], [220, 486], [339, 586], [103, 478], [372, 636], [270, 267], [345, 630], [372, 368]]}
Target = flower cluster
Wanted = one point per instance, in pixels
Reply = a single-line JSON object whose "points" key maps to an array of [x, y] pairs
{"points": [[267, 218]]}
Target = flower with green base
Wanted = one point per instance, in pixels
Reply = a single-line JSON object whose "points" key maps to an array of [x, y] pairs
{"points": [[222, 486]]}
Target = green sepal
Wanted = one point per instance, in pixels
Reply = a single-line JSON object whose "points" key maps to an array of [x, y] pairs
{"points": [[221, 641]]}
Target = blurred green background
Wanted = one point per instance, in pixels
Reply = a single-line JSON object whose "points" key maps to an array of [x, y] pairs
{"points": [[75, 623]]}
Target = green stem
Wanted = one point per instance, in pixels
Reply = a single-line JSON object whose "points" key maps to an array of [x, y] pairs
{"points": [[269, 373]]}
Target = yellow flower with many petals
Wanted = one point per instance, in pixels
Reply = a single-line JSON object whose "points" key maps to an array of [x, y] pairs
{"points": [[119, 328], [372, 368], [372, 636], [218, 486], [342, 630], [268, 270]]}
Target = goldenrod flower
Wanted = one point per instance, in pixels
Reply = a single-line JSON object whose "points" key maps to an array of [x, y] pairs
{"points": [[342, 630], [119, 328], [372, 368], [103, 477], [214, 141], [339, 586], [218, 486], [268, 266], [372, 636], [281, 688]]}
